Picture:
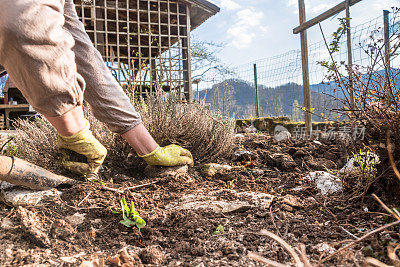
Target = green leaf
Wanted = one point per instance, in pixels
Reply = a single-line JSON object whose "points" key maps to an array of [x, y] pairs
{"points": [[132, 207], [219, 231], [140, 223], [115, 212], [127, 222]]}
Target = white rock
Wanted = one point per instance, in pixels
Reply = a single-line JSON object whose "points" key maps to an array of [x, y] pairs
{"points": [[250, 129], [353, 167], [323, 247], [6, 223], [17, 196], [76, 219], [239, 136], [326, 182], [211, 169], [242, 153]]}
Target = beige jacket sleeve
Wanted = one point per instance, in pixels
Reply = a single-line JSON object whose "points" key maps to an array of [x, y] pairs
{"points": [[48, 55]]}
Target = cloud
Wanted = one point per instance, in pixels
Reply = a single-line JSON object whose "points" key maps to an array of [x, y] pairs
{"points": [[229, 5], [244, 30], [314, 7]]}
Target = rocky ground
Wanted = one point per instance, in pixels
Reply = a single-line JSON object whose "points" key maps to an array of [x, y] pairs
{"points": [[207, 217]]}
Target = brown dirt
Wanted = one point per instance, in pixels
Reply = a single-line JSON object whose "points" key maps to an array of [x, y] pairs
{"points": [[184, 237]]}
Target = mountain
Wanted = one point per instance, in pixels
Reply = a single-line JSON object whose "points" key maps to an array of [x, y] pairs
{"points": [[377, 80], [236, 98]]}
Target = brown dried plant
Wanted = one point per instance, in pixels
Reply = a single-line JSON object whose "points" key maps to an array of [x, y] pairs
{"points": [[208, 136]]}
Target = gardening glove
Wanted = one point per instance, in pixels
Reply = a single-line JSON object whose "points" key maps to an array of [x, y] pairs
{"points": [[169, 156], [83, 143]]}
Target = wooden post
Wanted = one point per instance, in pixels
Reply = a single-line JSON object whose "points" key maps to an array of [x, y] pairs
{"points": [[327, 14], [387, 50], [349, 56], [187, 57], [306, 78]]}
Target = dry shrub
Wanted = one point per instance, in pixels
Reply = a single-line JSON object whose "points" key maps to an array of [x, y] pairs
{"points": [[376, 90], [207, 135]]}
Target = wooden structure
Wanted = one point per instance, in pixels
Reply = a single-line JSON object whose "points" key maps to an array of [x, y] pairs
{"points": [[302, 29], [146, 42], [14, 102]]}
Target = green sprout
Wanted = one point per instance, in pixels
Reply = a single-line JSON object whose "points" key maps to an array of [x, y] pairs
{"points": [[367, 163], [130, 216], [219, 231]]}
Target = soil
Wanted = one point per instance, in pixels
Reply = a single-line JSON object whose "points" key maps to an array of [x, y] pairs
{"points": [[266, 190]]}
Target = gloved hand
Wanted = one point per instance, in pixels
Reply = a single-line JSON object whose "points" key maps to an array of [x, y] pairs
{"points": [[83, 143], [170, 156]]}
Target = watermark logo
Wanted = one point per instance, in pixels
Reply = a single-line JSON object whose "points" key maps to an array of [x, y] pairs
{"points": [[281, 133], [332, 133], [327, 133]]}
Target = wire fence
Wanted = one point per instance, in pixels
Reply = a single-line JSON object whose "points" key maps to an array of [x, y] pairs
{"points": [[280, 78]]}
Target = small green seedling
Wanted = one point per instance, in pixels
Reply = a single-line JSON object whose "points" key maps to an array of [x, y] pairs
{"points": [[130, 216], [219, 231]]}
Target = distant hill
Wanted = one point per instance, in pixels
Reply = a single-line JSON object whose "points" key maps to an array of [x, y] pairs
{"points": [[377, 81], [236, 97]]}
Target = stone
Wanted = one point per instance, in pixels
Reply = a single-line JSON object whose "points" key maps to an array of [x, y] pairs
{"points": [[216, 206], [326, 182], [163, 172], [33, 226], [212, 202], [250, 129], [212, 169], [301, 153], [152, 255], [6, 223], [242, 155], [284, 161], [19, 196], [324, 247], [355, 165], [76, 219], [291, 201], [239, 136], [321, 164]]}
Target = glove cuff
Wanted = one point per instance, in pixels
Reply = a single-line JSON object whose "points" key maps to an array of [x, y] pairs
{"points": [[77, 136], [150, 154]]}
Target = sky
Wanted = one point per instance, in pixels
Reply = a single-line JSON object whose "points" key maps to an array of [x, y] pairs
{"points": [[257, 29]]}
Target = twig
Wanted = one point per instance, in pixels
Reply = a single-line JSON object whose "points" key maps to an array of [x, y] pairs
{"points": [[347, 232], [112, 189], [4, 145], [371, 262], [83, 200], [142, 185], [291, 251], [268, 262], [303, 256], [386, 207], [380, 229], [389, 149]]}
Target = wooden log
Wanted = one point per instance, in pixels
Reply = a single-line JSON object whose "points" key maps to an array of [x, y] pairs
{"points": [[327, 14]]}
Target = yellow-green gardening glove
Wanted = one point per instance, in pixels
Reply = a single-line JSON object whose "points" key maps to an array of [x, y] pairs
{"points": [[83, 143], [169, 156]]}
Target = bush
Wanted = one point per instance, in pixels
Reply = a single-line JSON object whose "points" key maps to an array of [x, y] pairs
{"points": [[208, 136]]}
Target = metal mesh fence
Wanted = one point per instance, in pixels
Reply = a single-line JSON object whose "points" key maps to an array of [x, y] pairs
{"points": [[280, 78]]}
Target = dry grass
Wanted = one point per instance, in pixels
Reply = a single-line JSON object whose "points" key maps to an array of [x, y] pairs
{"points": [[208, 136]]}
